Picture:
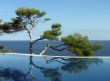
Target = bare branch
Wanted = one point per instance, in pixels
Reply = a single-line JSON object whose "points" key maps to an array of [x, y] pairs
{"points": [[59, 49], [37, 40], [44, 50], [52, 47], [59, 45]]}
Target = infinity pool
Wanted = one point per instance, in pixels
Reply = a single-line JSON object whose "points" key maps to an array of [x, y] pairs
{"points": [[46, 68]]}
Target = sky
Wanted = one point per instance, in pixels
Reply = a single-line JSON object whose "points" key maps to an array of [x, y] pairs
{"points": [[88, 17]]}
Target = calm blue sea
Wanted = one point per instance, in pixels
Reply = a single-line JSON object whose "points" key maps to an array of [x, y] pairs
{"points": [[22, 47]]}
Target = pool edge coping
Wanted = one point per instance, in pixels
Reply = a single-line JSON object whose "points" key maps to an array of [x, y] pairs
{"points": [[22, 54]]}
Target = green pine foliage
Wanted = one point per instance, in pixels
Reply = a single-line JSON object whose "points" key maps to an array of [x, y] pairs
{"points": [[54, 33], [28, 12], [80, 45], [7, 51]]}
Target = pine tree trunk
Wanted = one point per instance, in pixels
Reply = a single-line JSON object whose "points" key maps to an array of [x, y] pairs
{"points": [[30, 44], [30, 47]]}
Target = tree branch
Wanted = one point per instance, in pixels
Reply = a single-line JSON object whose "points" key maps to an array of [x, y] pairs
{"points": [[44, 50], [37, 40], [52, 47], [58, 45], [59, 49]]}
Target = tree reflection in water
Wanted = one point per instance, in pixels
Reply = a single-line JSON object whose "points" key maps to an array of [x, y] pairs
{"points": [[16, 75], [52, 73], [11, 74], [76, 64], [67, 64]]}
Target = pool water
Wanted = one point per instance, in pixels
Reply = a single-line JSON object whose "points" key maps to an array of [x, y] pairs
{"points": [[45, 68]]}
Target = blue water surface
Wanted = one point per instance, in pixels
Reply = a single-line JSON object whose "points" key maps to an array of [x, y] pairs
{"points": [[23, 46], [45, 68]]}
